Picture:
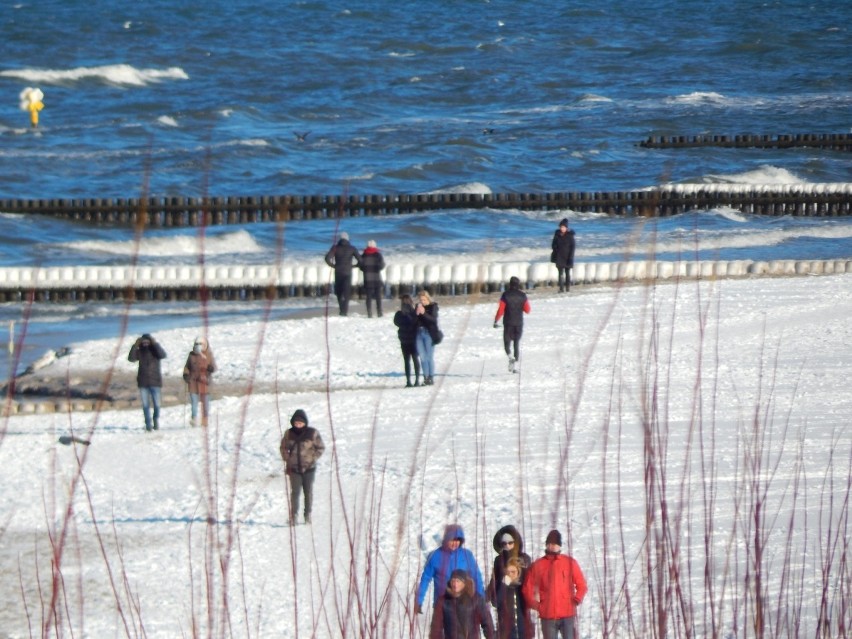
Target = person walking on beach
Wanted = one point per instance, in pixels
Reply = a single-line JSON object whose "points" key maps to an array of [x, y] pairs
{"points": [[200, 365], [562, 254], [554, 586], [442, 561], [300, 448], [406, 323], [461, 612], [504, 589], [342, 257], [513, 305], [428, 334], [149, 378], [372, 263]]}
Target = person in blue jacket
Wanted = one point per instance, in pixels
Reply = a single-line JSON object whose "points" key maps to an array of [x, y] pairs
{"points": [[442, 562]]}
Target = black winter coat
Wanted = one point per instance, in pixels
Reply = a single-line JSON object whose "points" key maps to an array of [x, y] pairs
{"points": [[462, 617], [341, 257], [563, 249], [406, 322], [372, 264], [149, 374], [429, 319], [514, 301]]}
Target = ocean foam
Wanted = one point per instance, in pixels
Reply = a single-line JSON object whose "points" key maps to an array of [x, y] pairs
{"points": [[236, 243], [119, 74]]}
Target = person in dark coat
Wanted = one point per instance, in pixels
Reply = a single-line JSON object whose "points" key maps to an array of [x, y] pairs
{"points": [[342, 257], [372, 264], [461, 612], [513, 616], [562, 254], [200, 365], [427, 332], [513, 305], [149, 378], [508, 544], [406, 322], [300, 448]]}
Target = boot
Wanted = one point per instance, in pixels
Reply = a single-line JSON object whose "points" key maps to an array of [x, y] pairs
{"points": [[511, 364], [417, 381], [408, 383]]}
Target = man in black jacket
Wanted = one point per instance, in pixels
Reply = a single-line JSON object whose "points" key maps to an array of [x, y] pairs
{"points": [[148, 352], [562, 254], [340, 257], [513, 305]]}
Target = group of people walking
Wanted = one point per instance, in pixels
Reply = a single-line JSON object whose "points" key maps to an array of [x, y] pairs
{"points": [[200, 366], [343, 257], [554, 586]]}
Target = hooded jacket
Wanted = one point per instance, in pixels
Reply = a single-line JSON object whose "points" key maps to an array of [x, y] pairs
{"points": [[301, 447], [149, 373], [442, 561], [563, 248], [554, 586], [198, 368], [503, 557], [461, 616], [372, 263]]}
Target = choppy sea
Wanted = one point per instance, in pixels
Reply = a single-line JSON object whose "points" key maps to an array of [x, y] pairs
{"points": [[319, 97]]}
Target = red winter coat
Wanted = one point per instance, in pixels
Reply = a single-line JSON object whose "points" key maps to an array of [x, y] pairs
{"points": [[554, 586]]}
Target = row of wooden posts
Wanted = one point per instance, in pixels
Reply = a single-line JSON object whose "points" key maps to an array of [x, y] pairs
{"points": [[193, 212], [831, 141]]}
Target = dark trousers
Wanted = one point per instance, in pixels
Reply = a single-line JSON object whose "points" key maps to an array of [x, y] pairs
{"points": [[343, 290], [564, 277], [299, 483], [409, 354], [512, 337], [551, 627], [373, 292]]}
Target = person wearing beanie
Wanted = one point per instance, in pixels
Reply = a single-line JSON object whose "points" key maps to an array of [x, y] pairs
{"points": [[562, 254], [200, 365], [340, 257], [149, 378], [300, 449], [513, 305], [461, 612], [406, 323], [554, 586], [440, 564], [372, 263]]}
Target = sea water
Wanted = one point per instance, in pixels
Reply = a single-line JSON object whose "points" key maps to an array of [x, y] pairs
{"points": [[314, 97]]}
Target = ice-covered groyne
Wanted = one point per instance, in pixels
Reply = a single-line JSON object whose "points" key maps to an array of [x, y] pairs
{"points": [[243, 282]]}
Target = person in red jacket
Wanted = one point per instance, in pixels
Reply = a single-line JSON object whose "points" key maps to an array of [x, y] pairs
{"points": [[554, 586]]}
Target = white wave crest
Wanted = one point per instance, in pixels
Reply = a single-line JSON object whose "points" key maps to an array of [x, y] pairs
{"points": [[167, 120], [118, 74], [698, 97], [765, 174], [238, 242], [470, 187]]}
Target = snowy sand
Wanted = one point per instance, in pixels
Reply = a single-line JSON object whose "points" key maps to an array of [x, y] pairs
{"points": [[183, 532]]}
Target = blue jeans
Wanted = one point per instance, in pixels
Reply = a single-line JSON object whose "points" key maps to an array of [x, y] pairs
{"points": [[193, 401], [150, 395], [426, 350], [550, 627]]}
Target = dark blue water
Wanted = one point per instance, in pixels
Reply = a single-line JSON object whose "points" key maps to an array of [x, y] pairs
{"points": [[161, 98]]}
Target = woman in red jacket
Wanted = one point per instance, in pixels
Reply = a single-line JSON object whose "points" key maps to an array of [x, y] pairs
{"points": [[554, 586]]}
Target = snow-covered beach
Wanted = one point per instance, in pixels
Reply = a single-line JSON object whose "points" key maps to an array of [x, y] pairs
{"points": [[690, 439]]}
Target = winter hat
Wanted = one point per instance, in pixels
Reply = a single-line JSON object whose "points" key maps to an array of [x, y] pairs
{"points": [[299, 415], [553, 537], [564, 222], [458, 573], [371, 243], [507, 537], [344, 236]]}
